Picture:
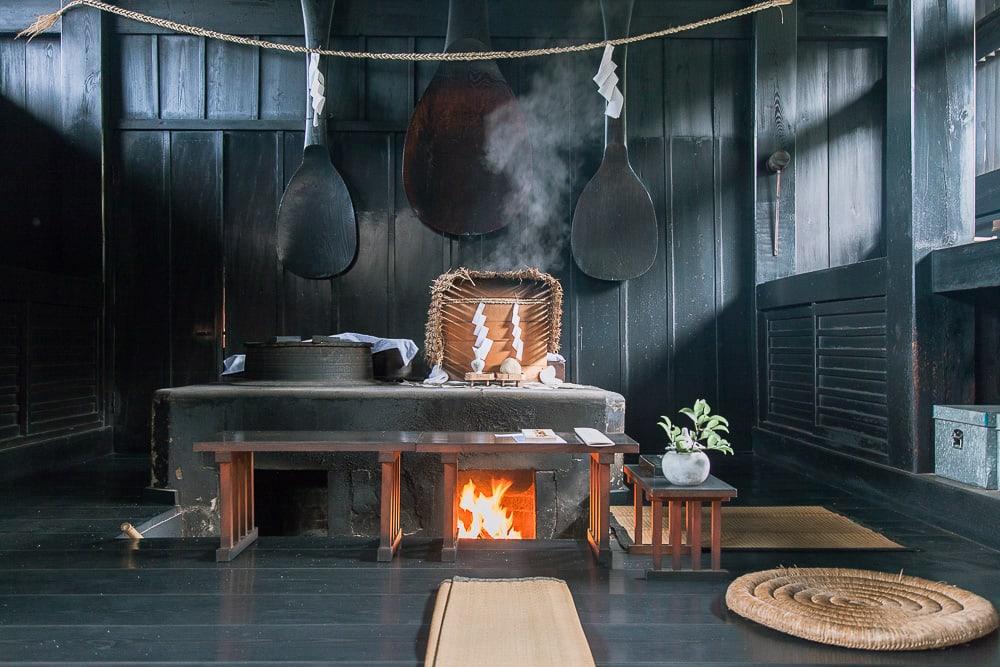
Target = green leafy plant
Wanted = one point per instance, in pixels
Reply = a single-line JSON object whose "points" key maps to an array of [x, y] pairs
{"points": [[705, 433]]}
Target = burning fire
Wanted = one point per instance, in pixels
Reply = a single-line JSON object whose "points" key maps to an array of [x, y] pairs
{"points": [[490, 520]]}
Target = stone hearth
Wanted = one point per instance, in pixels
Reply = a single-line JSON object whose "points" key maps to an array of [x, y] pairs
{"points": [[184, 415]]}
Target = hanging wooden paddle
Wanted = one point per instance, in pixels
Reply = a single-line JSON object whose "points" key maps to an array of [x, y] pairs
{"points": [[446, 174], [614, 233], [317, 230]]}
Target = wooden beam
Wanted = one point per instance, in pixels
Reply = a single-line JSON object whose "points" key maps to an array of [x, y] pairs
{"points": [[775, 68], [83, 60], [16, 16], [842, 24], [988, 195], [853, 281], [930, 153], [552, 19], [988, 35], [254, 125], [966, 267]]}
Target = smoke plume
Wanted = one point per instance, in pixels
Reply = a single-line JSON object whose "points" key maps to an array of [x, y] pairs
{"points": [[563, 115]]}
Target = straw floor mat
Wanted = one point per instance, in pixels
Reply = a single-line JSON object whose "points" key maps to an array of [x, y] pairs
{"points": [[862, 609], [517, 622], [780, 528]]}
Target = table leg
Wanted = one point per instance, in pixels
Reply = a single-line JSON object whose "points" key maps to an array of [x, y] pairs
{"points": [[600, 506], [694, 533], [449, 525], [637, 506], [391, 533], [657, 532], [674, 508], [716, 534], [237, 529]]}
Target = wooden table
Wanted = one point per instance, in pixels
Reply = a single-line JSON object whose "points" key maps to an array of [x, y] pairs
{"points": [[234, 452], [649, 483]]}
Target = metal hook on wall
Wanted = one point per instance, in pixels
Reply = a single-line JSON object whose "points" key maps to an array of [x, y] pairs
{"points": [[776, 164]]}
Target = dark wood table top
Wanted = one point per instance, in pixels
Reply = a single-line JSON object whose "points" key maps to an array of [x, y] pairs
{"points": [[401, 441], [655, 485]]}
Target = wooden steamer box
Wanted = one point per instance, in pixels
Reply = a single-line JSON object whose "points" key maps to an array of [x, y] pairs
{"points": [[457, 294]]}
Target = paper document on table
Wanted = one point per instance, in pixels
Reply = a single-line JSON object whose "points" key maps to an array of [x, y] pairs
{"points": [[592, 437], [542, 436]]}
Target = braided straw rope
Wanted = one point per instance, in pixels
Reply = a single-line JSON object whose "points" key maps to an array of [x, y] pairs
{"points": [[862, 609], [46, 21]]}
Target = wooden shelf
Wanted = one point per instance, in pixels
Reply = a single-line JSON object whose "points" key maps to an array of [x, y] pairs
{"points": [[966, 267]]}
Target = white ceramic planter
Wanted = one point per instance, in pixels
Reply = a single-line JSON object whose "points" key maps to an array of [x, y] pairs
{"points": [[686, 469]]}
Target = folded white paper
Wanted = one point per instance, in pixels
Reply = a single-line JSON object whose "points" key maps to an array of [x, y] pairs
{"points": [[607, 65], [484, 349], [548, 377], [615, 105], [481, 336], [607, 88], [317, 89], [607, 84], [437, 375]]}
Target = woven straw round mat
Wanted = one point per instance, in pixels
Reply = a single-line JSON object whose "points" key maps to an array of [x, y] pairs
{"points": [[861, 608]]}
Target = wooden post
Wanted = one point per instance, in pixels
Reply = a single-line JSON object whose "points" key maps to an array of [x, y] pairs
{"points": [[390, 534], [600, 506], [775, 71], [657, 532], [449, 525], [674, 510], [637, 507], [716, 535], [237, 529], [225, 461], [930, 158], [694, 532]]}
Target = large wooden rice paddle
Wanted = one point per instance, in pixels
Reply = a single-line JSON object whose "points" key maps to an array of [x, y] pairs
{"points": [[614, 233], [317, 230], [449, 178]]}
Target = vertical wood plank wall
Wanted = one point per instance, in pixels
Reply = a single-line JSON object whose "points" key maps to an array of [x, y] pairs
{"points": [[192, 220], [839, 168], [987, 160], [203, 137]]}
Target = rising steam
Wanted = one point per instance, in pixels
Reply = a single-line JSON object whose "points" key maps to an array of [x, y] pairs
{"points": [[563, 115]]}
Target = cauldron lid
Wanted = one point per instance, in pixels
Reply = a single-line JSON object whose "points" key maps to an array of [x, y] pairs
{"points": [[314, 343]]}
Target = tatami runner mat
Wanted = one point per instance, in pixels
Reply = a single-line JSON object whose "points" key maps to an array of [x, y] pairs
{"points": [[517, 622], [781, 528]]}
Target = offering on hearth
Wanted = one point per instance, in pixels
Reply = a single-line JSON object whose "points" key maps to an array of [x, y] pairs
{"points": [[514, 315]]}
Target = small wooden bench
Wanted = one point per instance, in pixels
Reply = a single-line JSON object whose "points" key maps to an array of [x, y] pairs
{"points": [[647, 481], [234, 452]]}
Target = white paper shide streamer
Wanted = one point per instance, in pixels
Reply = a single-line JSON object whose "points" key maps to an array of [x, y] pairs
{"points": [[317, 88], [607, 84], [515, 321], [483, 342]]}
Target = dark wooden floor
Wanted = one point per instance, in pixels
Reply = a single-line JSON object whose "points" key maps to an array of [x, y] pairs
{"points": [[70, 592]]}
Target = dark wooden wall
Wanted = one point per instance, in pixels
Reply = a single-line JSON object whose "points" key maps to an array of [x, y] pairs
{"points": [[987, 182], [52, 373], [205, 135], [840, 138], [201, 138]]}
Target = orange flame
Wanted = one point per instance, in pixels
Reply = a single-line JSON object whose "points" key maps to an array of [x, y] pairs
{"points": [[490, 520]]}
